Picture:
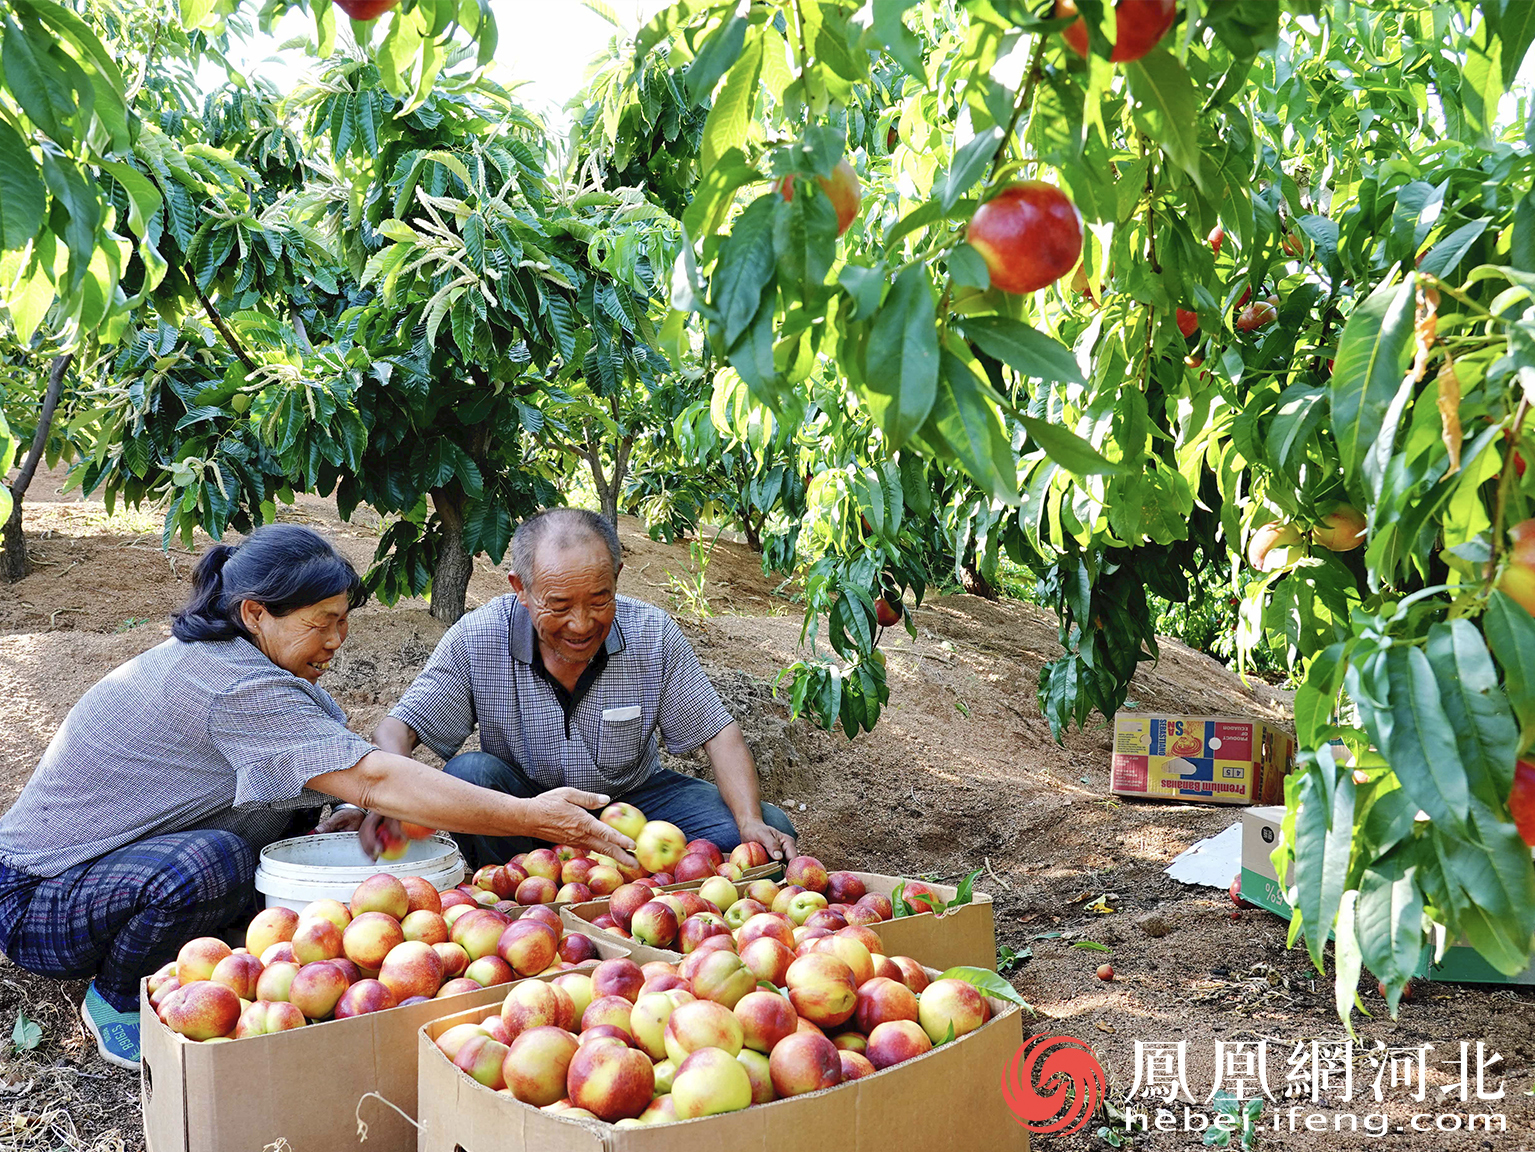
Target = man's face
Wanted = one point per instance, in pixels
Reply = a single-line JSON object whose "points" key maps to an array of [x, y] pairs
{"points": [[572, 599]]}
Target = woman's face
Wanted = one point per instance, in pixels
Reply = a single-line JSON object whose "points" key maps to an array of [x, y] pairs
{"points": [[303, 641]]}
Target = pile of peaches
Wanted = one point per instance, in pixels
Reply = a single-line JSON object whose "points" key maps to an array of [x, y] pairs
{"points": [[395, 943], [566, 874], [811, 903], [639, 1045]]}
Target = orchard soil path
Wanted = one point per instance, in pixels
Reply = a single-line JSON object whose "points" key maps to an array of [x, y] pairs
{"points": [[961, 774]]}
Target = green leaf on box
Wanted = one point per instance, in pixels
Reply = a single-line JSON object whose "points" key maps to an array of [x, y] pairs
{"points": [[962, 895]]}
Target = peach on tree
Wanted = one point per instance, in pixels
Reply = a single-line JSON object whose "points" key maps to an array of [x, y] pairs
{"points": [[1521, 801], [841, 188], [1341, 530], [365, 10], [1518, 579], [1029, 234], [1139, 25], [1273, 545]]}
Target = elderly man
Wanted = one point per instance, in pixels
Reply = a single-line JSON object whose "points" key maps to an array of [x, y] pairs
{"points": [[573, 685]]}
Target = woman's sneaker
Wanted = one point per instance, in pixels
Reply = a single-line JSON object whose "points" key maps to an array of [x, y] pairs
{"points": [[116, 1033]]}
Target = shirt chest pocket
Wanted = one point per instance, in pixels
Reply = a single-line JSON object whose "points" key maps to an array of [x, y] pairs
{"points": [[621, 737]]}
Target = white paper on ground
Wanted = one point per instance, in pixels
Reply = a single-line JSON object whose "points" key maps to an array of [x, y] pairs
{"points": [[1213, 862]]}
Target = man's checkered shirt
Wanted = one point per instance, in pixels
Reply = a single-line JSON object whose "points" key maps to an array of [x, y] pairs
{"points": [[652, 689]]}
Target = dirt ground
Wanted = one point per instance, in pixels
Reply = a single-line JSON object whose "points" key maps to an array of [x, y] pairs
{"points": [[961, 774]]}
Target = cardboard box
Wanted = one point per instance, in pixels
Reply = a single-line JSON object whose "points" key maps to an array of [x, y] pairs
{"points": [[1214, 759], [966, 935], [1260, 885], [949, 1100], [302, 1086]]}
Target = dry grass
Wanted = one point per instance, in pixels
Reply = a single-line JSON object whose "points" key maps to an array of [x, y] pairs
{"points": [[60, 1095]]}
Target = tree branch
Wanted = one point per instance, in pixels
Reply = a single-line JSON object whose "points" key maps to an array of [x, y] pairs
{"points": [[1151, 252], [583, 452], [213, 315], [149, 58], [1025, 97], [1151, 235], [1506, 480], [621, 458], [223, 328], [799, 42], [299, 330]]}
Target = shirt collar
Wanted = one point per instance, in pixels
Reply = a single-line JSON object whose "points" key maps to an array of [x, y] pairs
{"points": [[524, 642]]}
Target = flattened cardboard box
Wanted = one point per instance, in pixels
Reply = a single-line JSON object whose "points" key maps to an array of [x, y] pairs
{"points": [[301, 1086], [948, 1100], [1212, 759], [1460, 963], [966, 935]]}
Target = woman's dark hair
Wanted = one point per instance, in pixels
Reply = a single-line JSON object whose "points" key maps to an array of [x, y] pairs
{"points": [[281, 566]]}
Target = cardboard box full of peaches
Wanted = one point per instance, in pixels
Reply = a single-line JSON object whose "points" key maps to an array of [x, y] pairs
{"points": [[283, 1038], [850, 1050], [936, 924]]}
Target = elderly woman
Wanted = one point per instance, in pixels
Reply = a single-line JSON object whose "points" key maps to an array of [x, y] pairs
{"points": [[140, 827]]}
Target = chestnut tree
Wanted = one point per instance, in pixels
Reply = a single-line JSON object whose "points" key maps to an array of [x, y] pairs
{"points": [[109, 161], [372, 286]]}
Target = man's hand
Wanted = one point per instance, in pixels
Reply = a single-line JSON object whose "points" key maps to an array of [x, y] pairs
{"points": [[342, 819], [559, 817], [735, 772], [778, 845]]}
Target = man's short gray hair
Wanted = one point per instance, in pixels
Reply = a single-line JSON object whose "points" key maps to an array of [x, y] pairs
{"points": [[562, 527]]}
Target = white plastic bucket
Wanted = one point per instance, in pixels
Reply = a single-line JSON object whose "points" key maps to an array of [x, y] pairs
{"points": [[295, 872]]}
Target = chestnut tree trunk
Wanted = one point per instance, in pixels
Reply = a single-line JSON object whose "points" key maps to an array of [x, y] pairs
{"points": [[13, 559], [450, 578], [753, 529], [609, 485]]}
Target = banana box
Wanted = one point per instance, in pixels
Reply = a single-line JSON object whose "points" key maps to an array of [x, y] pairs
{"points": [[1214, 759]]}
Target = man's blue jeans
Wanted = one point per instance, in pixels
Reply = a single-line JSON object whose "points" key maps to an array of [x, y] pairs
{"points": [[693, 805]]}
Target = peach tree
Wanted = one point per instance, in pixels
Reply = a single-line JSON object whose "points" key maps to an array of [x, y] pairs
{"points": [[1152, 291]]}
